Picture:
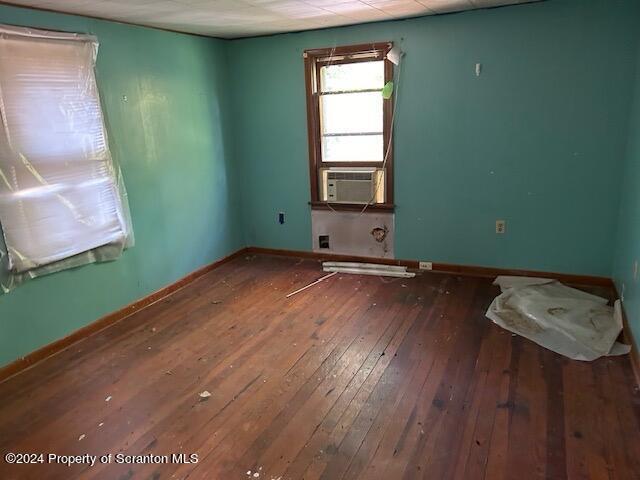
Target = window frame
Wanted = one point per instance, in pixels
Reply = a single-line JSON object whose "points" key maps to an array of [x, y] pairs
{"points": [[314, 59]]}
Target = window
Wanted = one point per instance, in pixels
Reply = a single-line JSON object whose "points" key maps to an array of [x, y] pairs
{"points": [[59, 190], [349, 126]]}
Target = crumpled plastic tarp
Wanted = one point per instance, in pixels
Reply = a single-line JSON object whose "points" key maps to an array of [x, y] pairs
{"points": [[568, 321], [62, 198]]}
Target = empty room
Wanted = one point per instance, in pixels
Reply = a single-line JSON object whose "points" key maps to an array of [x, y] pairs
{"points": [[320, 239]]}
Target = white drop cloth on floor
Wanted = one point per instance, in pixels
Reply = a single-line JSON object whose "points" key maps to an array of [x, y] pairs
{"points": [[568, 321]]}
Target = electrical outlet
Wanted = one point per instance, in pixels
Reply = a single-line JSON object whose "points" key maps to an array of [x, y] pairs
{"points": [[426, 266], [501, 226], [635, 270]]}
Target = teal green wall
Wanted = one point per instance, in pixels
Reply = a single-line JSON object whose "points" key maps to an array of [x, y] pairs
{"points": [[628, 246], [538, 139], [172, 140]]}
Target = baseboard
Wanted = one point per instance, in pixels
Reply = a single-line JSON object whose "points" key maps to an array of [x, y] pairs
{"points": [[628, 338], [627, 335], [50, 349], [468, 270]]}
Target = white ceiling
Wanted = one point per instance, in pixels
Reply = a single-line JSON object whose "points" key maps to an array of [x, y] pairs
{"points": [[244, 18]]}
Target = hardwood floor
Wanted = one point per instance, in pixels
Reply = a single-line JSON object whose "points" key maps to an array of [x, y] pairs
{"points": [[356, 377]]}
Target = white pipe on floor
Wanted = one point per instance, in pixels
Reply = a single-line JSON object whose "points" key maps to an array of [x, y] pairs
{"points": [[370, 271], [368, 266]]}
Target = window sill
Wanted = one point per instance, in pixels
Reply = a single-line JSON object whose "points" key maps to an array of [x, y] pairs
{"points": [[350, 207]]}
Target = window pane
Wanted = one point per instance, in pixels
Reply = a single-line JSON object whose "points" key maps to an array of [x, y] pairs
{"points": [[352, 148], [351, 113], [352, 76]]}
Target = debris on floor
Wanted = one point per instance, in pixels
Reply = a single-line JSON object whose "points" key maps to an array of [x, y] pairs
{"points": [[108, 399], [81, 437], [255, 474], [205, 395], [568, 321]]}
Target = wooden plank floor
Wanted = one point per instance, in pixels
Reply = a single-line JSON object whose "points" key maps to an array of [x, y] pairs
{"points": [[357, 377]]}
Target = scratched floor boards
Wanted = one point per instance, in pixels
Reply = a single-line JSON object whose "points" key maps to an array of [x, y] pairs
{"points": [[357, 377]]}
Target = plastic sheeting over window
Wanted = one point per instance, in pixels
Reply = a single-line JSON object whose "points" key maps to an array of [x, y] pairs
{"points": [[62, 199], [570, 322]]}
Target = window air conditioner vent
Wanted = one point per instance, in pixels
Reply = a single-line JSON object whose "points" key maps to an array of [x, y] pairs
{"points": [[350, 187], [350, 176]]}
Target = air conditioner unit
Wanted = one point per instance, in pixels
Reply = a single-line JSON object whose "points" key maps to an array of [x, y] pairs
{"points": [[355, 186]]}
